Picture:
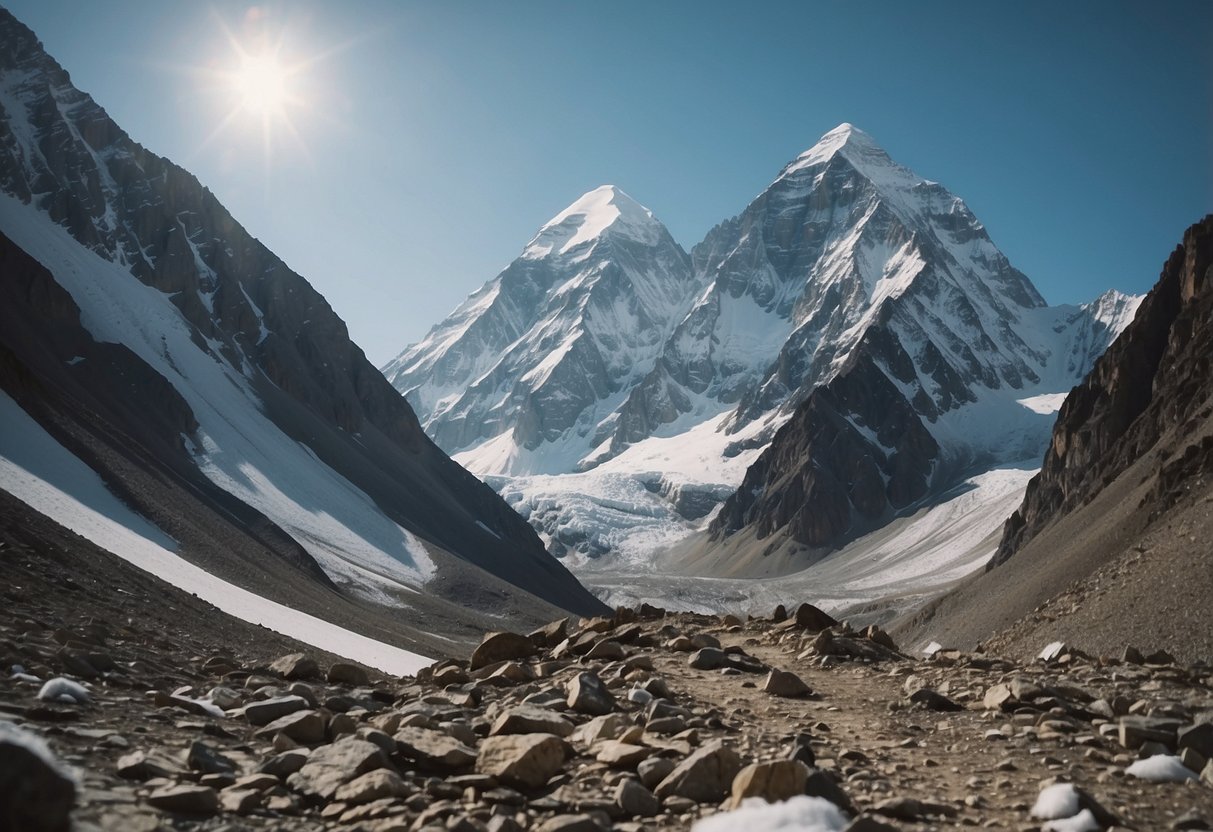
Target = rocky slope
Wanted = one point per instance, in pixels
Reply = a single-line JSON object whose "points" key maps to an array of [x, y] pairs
{"points": [[125, 712], [215, 393], [851, 285], [1110, 531]]}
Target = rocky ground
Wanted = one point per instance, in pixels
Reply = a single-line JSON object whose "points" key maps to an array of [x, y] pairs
{"points": [[644, 720]]}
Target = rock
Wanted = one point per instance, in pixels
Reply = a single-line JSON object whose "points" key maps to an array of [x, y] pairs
{"points": [[201, 757], [266, 711], [305, 727], [531, 719], [588, 695], [867, 823], [606, 727], [186, 800], [934, 701], [296, 666], [1197, 737], [239, 801], [35, 794], [1132, 655], [331, 766], [1191, 819], [374, 785], [909, 808], [551, 634], [1134, 731], [434, 748], [780, 614], [522, 760], [139, 766], [999, 697], [343, 673], [783, 683], [707, 658], [705, 776], [606, 651], [224, 698], [636, 801], [500, 647], [655, 769], [623, 755], [285, 764], [773, 782], [821, 784], [570, 823], [879, 636], [809, 617]]}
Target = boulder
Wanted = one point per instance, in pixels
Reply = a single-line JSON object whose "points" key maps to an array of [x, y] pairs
{"points": [[707, 658], [343, 673], [330, 767], [434, 748], [531, 719], [934, 701], [306, 727], [296, 666], [521, 760], [773, 782], [374, 785], [809, 617], [501, 647], [785, 684], [35, 794], [589, 695], [186, 800], [636, 801], [704, 777], [266, 711]]}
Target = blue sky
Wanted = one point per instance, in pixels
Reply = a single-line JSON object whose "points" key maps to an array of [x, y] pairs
{"points": [[434, 138]]}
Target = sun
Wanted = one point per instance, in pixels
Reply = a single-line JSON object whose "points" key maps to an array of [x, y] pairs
{"points": [[261, 85]]}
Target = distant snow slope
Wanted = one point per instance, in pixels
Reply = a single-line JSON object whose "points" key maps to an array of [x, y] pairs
{"points": [[47, 477], [910, 559], [239, 448]]}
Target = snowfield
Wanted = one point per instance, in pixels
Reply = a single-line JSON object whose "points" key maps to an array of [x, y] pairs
{"points": [[47, 477]]}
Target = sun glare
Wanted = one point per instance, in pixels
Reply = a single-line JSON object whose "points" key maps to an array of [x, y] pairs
{"points": [[261, 85]]}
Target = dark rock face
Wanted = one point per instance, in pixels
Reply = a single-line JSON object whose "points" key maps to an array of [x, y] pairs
{"points": [[62, 155], [822, 480], [1150, 384]]}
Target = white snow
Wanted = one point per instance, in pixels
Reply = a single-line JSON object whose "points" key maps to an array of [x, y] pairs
{"points": [[588, 218], [239, 448], [1061, 800], [1161, 768], [46, 476], [1051, 651], [1045, 403], [1084, 821], [60, 689], [800, 814]]}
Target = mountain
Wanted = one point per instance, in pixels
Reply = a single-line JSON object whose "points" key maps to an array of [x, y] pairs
{"points": [[1108, 545], [848, 348], [536, 363], [202, 402]]}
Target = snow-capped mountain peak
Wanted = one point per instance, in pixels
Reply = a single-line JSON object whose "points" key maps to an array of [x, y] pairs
{"points": [[604, 210]]}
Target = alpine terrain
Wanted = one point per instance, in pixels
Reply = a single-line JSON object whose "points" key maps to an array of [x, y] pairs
{"points": [[172, 391], [850, 351], [1110, 544]]}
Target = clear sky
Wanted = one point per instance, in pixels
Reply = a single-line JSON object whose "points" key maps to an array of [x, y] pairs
{"points": [[432, 139]]}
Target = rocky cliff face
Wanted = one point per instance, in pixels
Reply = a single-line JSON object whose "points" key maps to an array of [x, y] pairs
{"points": [[1153, 382], [159, 341]]}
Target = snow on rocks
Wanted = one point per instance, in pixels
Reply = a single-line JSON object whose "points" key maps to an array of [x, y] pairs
{"points": [[799, 814], [1161, 768], [60, 689]]}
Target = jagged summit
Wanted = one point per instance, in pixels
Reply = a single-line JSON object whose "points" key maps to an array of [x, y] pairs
{"points": [[858, 148], [606, 209]]}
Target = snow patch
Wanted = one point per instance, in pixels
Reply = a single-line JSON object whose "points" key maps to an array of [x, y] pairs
{"points": [[800, 814], [60, 689], [44, 475], [1161, 768], [1060, 800]]}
